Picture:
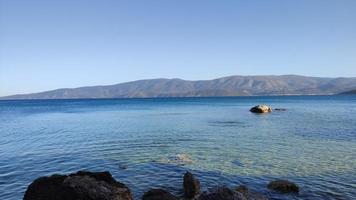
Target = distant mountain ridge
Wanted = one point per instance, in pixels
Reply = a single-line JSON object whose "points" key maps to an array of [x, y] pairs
{"points": [[351, 92], [225, 86]]}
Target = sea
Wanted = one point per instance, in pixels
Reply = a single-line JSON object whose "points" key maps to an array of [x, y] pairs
{"points": [[151, 142]]}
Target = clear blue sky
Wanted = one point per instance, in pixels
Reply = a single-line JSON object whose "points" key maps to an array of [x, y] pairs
{"points": [[49, 44]]}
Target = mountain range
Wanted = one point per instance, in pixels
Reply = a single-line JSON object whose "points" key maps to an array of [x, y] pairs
{"points": [[225, 86], [351, 92]]}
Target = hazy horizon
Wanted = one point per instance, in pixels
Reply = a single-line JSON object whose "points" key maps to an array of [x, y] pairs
{"points": [[47, 45]]}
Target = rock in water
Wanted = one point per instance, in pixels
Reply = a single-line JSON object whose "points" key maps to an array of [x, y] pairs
{"points": [[250, 195], [191, 185], [221, 193], [261, 109], [158, 194], [243, 190], [79, 186], [283, 186]]}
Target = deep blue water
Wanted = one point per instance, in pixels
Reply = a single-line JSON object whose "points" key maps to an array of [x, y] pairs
{"points": [[313, 143]]}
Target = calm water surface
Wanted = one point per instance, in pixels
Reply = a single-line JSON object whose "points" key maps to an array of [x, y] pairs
{"points": [[313, 143]]}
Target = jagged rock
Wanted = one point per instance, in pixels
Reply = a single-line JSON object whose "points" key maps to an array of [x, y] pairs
{"points": [[221, 193], [158, 194], [261, 109], [283, 186], [79, 186], [191, 185], [250, 195]]}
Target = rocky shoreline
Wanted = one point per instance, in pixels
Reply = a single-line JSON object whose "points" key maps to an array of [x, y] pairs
{"points": [[84, 185]]}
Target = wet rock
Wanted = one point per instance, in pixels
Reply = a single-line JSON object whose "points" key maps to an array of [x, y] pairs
{"points": [[243, 190], [158, 194], [283, 186], [250, 195], [261, 109], [221, 193], [191, 185], [79, 186]]}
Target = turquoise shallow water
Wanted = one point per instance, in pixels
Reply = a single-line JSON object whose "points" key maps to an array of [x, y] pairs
{"points": [[313, 143]]}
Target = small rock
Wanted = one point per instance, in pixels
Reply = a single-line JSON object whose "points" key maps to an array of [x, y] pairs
{"points": [[221, 193], [283, 186], [261, 109], [79, 186], [158, 194], [191, 185]]}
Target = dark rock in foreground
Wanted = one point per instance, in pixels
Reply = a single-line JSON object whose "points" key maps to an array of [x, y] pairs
{"points": [[158, 194], [79, 186], [261, 109], [243, 190], [191, 185], [283, 186], [102, 186], [221, 193], [250, 195]]}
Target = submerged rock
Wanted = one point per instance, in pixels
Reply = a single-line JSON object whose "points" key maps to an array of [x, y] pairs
{"points": [[221, 193], [179, 159], [237, 163], [250, 195], [158, 194], [283, 186], [261, 109], [191, 185], [79, 186], [123, 166], [182, 158]]}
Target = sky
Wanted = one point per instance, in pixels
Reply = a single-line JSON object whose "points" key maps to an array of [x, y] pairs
{"points": [[50, 44]]}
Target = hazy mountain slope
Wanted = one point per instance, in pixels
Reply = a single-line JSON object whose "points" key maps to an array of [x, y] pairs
{"points": [[351, 92], [226, 86]]}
